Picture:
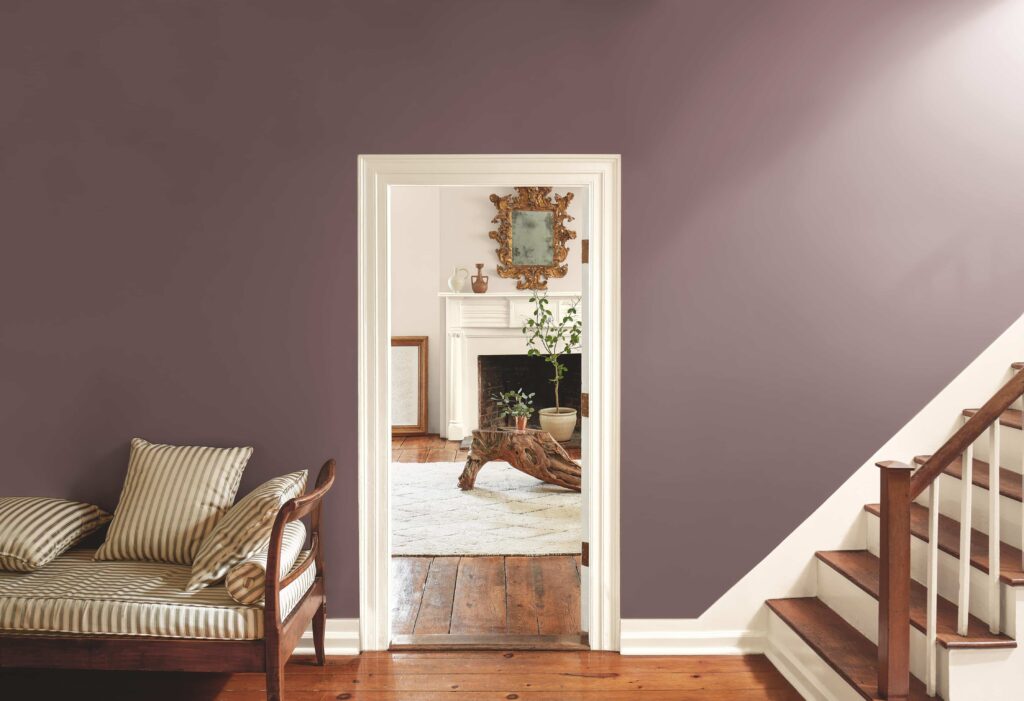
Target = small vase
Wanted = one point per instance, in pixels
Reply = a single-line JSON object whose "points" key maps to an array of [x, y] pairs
{"points": [[479, 280], [457, 280], [521, 423]]}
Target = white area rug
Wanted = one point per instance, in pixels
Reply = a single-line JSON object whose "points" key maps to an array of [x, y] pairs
{"points": [[506, 513]]}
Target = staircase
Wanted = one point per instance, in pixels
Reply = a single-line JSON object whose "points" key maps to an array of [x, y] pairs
{"points": [[948, 622]]}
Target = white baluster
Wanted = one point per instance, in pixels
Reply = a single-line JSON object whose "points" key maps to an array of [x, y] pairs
{"points": [[993, 528], [933, 587], [966, 493]]}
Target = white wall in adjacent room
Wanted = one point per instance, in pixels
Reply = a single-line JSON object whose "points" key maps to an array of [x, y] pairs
{"points": [[435, 229], [466, 214], [415, 307]]}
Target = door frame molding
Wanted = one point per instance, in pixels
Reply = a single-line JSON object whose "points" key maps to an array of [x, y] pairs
{"points": [[601, 175]]}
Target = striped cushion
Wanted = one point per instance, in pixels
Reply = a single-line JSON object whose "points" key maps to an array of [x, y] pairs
{"points": [[246, 580], [245, 530], [172, 498], [34, 530], [76, 594]]}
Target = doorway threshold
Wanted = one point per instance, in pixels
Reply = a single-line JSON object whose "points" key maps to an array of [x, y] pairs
{"points": [[447, 641]]}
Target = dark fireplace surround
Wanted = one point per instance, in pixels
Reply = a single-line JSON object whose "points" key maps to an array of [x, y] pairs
{"points": [[502, 373]]}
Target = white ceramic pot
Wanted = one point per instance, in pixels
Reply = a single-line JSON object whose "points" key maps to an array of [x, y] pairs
{"points": [[560, 423]]}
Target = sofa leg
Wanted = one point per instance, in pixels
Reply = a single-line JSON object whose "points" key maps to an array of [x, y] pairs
{"points": [[275, 678], [319, 631]]}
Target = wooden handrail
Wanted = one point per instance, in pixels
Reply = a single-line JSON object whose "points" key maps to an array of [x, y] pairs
{"points": [[967, 434], [293, 510], [900, 485]]}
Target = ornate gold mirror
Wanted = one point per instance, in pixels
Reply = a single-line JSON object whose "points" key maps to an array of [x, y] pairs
{"points": [[531, 236]]}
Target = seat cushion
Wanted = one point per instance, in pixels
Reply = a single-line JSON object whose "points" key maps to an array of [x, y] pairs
{"points": [[246, 581], [77, 594], [172, 498], [245, 530], [34, 530]]}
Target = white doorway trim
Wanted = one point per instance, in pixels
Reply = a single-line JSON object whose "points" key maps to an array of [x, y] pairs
{"points": [[601, 175]]}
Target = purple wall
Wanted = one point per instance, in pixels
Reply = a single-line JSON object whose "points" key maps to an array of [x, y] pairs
{"points": [[821, 224]]}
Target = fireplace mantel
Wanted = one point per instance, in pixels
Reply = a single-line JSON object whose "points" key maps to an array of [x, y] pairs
{"points": [[475, 325]]}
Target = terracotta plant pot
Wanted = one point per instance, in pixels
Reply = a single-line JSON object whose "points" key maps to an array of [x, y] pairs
{"points": [[560, 423], [521, 423]]}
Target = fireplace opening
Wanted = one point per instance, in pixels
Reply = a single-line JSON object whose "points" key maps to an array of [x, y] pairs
{"points": [[501, 373]]}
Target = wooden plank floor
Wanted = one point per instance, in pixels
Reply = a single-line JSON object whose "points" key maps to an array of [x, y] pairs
{"points": [[499, 595], [480, 600], [437, 676]]}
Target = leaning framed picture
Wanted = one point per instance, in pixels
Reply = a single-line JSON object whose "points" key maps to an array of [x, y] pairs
{"points": [[408, 385]]}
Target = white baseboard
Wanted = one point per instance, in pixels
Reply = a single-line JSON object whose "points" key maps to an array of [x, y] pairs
{"points": [[341, 638], [670, 636], [639, 637]]}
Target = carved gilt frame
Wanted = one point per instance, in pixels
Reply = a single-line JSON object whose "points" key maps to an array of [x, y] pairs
{"points": [[534, 199]]}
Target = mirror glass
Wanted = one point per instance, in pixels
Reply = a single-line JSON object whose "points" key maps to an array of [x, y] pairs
{"points": [[533, 237], [405, 385]]}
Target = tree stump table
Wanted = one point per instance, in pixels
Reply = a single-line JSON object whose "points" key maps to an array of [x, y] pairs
{"points": [[531, 451]]}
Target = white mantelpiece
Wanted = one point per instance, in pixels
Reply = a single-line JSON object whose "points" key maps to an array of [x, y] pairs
{"points": [[475, 325]]}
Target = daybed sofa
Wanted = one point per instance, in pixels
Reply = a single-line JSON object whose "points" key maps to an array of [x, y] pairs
{"points": [[79, 613]]}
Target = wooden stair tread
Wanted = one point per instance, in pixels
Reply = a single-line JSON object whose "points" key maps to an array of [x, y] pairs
{"points": [[1019, 365], [1011, 418], [1009, 481], [850, 654], [949, 542], [861, 568]]}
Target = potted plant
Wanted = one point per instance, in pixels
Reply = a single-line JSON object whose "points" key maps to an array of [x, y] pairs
{"points": [[550, 339], [516, 403]]}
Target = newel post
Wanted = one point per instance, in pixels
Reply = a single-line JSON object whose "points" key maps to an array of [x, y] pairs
{"points": [[894, 583]]}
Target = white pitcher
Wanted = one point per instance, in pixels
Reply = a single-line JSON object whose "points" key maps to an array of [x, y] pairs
{"points": [[458, 279]]}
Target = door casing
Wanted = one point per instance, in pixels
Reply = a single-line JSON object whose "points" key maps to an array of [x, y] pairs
{"points": [[600, 174]]}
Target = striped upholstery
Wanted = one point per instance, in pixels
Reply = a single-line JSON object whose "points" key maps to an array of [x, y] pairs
{"points": [[172, 498], [245, 581], [244, 530], [34, 530], [76, 594]]}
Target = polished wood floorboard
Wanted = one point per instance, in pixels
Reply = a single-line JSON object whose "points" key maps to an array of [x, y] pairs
{"points": [[438, 676], [491, 595]]}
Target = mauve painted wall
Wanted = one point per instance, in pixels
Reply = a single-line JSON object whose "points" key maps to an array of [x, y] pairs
{"points": [[822, 214]]}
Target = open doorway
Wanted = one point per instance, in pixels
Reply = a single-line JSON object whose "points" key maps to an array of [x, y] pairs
{"points": [[581, 552], [486, 394]]}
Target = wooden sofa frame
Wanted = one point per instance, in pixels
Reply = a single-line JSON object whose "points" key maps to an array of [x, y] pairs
{"points": [[155, 654]]}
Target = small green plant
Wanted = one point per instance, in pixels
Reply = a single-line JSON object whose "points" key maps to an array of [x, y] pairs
{"points": [[550, 339], [515, 403]]}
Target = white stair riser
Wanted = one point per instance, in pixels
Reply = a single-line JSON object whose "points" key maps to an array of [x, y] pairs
{"points": [[962, 675], [985, 675], [949, 580], [803, 668], [860, 610], [1010, 445], [950, 493]]}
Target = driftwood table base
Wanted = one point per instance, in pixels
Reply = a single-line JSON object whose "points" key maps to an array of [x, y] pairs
{"points": [[534, 452]]}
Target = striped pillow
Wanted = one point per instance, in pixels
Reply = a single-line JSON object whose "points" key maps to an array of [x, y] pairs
{"points": [[172, 498], [34, 530], [246, 580], [244, 530]]}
